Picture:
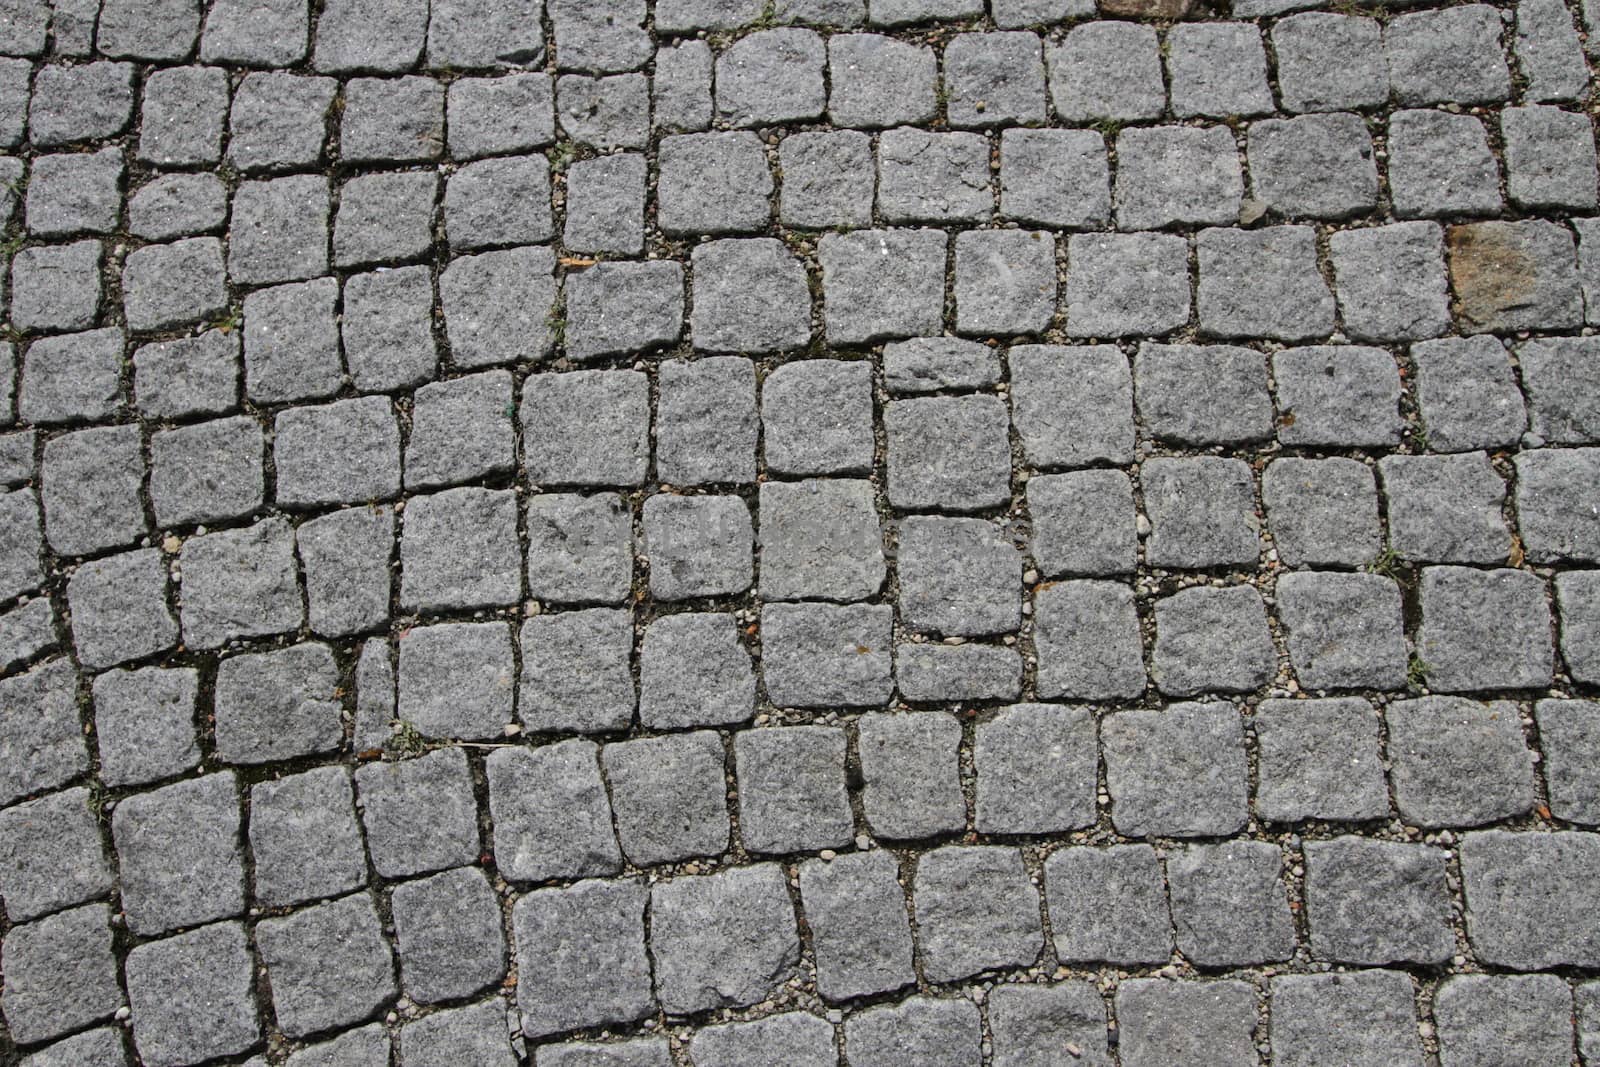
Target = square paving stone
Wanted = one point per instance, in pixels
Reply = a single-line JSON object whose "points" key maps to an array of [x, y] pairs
{"points": [[91, 490], [911, 774], [391, 120], [1108, 904], [188, 376], [669, 795], [816, 417], [279, 230], [935, 1032], [603, 36], [459, 550], [239, 583], [1526, 896], [605, 204], [856, 909], [722, 940], [387, 329], [1486, 1019], [604, 113], [119, 609], [1178, 772], [468, 34], [581, 958], [1510, 276], [179, 854], [1391, 281], [1083, 523], [821, 655], [192, 997], [1322, 512], [1548, 52], [1056, 178], [948, 453], [457, 679], [1262, 284], [1364, 1019], [621, 308], [1319, 759], [271, 34], [1329, 62], [385, 218], [580, 548], [827, 177], [1122, 284], [60, 974], [419, 814], [144, 724], [1314, 166], [1556, 505], [1344, 631], [750, 295], [1337, 396], [278, 121], [681, 88], [1557, 374], [1452, 56], [956, 576], [792, 795], [933, 176], [278, 704], [88, 102], [206, 472], [876, 81], [1005, 281], [71, 194], [1468, 394], [1569, 736], [1445, 509], [56, 287], [576, 671], [713, 183], [185, 110], [552, 818], [27, 631], [586, 428], [495, 202], [341, 453], [994, 79], [1030, 1023], [793, 1038], [348, 562], [40, 733], [694, 672], [461, 430], [449, 935], [820, 538], [1484, 630], [489, 116], [1162, 1021], [50, 855], [698, 546], [1202, 513], [1170, 175], [976, 911], [1087, 641], [71, 378], [1202, 394], [771, 77], [1218, 70], [164, 286], [1035, 766], [1106, 70], [499, 307], [163, 30], [477, 1033], [1378, 902], [328, 964], [1458, 762], [1440, 164], [1550, 159], [1212, 639], [1229, 905], [304, 838], [706, 424], [291, 342], [882, 284]]}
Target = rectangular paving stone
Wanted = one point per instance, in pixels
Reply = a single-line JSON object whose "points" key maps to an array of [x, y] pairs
{"points": [[911, 774]]}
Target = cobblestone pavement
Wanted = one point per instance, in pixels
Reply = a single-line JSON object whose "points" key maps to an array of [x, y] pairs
{"points": [[873, 532]]}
